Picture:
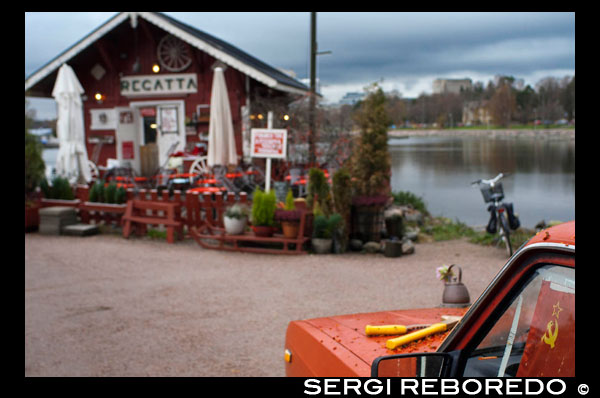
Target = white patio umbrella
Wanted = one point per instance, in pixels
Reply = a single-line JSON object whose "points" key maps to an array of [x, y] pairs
{"points": [[221, 140], [72, 158]]}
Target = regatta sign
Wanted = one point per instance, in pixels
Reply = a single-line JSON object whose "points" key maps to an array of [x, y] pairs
{"points": [[170, 84]]}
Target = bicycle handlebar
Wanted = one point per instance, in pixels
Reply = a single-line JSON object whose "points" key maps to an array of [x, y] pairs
{"points": [[491, 181]]}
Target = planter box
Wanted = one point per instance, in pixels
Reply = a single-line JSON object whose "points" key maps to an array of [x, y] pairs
{"points": [[60, 202], [107, 212]]}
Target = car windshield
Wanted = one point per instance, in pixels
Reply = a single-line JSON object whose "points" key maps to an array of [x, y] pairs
{"points": [[535, 336]]}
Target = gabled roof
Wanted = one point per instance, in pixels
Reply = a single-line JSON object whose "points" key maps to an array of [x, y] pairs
{"points": [[220, 50]]}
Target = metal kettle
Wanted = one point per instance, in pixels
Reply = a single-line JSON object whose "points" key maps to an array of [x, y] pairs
{"points": [[455, 293]]}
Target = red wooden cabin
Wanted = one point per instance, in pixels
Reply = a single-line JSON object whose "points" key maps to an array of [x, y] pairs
{"points": [[147, 79]]}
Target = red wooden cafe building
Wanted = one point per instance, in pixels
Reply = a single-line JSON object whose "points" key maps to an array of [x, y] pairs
{"points": [[147, 80]]}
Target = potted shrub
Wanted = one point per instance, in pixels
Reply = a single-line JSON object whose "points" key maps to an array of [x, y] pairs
{"points": [[235, 219], [107, 201], [342, 203], [394, 224], [318, 191], [34, 175], [58, 193], [323, 230], [370, 166], [263, 212], [289, 217]]}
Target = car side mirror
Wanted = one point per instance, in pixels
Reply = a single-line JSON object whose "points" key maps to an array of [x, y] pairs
{"points": [[425, 364]]}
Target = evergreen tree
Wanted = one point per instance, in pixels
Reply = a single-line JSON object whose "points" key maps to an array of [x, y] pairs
{"points": [[371, 160]]}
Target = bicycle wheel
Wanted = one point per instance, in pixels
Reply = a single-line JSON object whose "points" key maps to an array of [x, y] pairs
{"points": [[505, 232]]}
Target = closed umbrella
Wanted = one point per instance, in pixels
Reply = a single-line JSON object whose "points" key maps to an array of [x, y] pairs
{"points": [[221, 140], [72, 159]]}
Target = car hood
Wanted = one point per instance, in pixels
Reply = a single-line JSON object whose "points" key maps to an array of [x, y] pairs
{"points": [[337, 346]]}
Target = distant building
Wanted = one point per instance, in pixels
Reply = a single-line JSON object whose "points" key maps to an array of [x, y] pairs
{"points": [[476, 113], [351, 98], [454, 86]]}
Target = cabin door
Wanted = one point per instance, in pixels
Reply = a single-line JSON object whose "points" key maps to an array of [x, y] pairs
{"points": [[127, 141], [148, 148], [170, 130]]}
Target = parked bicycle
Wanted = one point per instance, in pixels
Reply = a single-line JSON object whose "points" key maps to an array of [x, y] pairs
{"points": [[502, 216]]}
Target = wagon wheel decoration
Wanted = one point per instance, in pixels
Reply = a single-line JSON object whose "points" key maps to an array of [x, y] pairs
{"points": [[199, 167], [173, 54], [94, 172]]}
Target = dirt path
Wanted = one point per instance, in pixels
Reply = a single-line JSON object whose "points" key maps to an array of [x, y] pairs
{"points": [[106, 306]]}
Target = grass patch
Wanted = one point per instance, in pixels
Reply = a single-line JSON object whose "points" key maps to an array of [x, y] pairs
{"points": [[408, 198], [442, 228], [156, 234]]}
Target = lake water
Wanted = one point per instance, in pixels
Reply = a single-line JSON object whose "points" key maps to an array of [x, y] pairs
{"points": [[541, 184]]}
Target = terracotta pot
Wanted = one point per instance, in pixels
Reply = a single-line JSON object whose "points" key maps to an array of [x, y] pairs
{"points": [[290, 229], [263, 231]]}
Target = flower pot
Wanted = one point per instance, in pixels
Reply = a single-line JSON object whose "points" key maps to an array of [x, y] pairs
{"points": [[367, 222], [235, 226], [263, 231], [394, 226], [32, 216], [393, 248], [455, 292], [290, 229], [321, 246]]}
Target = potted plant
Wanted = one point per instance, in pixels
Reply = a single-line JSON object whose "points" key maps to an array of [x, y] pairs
{"points": [[342, 202], [235, 219], [318, 191], [34, 174], [370, 166], [263, 212], [106, 201], [58, 193], [289, 217], [323, 230], [394, 223]]}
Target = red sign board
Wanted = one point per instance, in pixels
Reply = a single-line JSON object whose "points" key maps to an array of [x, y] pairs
{"points": [[269, 143], [128, 152]]}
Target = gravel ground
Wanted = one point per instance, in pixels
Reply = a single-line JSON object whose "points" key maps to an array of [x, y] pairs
{"points": [[106, 306]]}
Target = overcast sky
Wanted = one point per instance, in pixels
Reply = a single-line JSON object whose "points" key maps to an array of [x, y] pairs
{"points": [[404, 51]]}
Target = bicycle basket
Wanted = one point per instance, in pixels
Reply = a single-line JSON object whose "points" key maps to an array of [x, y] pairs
{"points": [[488, 191]]}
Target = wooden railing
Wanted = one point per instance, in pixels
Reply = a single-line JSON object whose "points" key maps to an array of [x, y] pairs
{"points": [[194, 209]]}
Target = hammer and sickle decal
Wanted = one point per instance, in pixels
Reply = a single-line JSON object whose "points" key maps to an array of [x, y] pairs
{"points": [[549, 337]]}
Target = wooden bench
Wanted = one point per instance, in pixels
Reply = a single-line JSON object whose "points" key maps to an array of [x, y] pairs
{"points": [[211, 237], [136, 217]]}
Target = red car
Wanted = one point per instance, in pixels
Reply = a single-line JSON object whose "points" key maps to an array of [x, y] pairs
{"points": [[522, 325]]}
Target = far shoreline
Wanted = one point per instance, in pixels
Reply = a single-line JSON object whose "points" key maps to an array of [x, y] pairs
{"points": [[538, 133]]}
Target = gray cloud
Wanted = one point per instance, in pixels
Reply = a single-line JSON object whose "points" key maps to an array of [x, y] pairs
{"points": [[402, 47]]}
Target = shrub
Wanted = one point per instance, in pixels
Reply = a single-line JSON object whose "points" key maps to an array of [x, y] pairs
{"points": [[34, 163], [324, 227], [237, 211], [120, 195], [318, 191], [371, 165], [109, 192], [60, 189], [263, 207], [289, 201], [408, 198]]}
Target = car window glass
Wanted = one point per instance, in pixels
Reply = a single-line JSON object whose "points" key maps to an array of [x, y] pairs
{"points": [[535, 336]]}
